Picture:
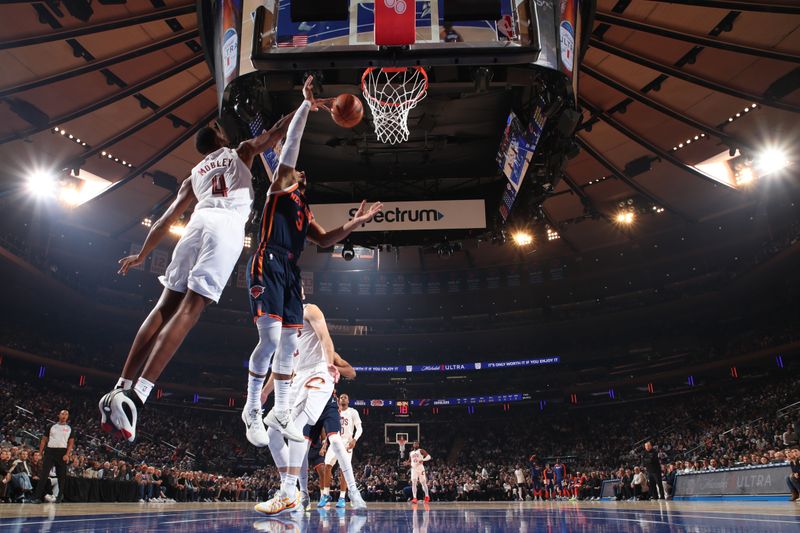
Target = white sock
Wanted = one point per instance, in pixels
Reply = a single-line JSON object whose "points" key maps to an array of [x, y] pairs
{"points": [[124, 384], [304, 475], [269, 335], [342, 494], [282, 387], [283, 476], [143, 388], [414, 489], [278, 449], [289, 486], [326, 491], [425, 488], [254, 385]]}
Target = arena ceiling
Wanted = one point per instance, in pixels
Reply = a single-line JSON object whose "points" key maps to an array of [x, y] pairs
{"points": [[129, 86]]}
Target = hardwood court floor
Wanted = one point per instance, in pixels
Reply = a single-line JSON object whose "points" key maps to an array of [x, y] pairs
{"points": [[649, 517]]}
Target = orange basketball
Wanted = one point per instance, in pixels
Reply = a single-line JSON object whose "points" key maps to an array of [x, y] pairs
{"points": [[347, 110]]}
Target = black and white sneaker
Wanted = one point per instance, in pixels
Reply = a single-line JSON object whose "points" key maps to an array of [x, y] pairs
{"points": [[119, 412]]}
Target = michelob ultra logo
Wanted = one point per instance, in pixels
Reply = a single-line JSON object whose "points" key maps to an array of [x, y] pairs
{"points": [[405, 216]]}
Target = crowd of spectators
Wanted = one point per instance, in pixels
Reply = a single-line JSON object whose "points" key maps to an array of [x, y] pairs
{"points": [[195, 454]]}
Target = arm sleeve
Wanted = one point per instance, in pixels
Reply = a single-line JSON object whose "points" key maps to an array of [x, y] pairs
{"points": [[357, 423], [291, 148]]}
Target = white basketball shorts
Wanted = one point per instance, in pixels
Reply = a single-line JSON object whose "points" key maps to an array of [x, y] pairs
{"points": [[206, 254]]}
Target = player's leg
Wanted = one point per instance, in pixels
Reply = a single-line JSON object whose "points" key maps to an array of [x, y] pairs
{"points": [[170, 338], [414, 481], [346, 467], [342, 487], [146, 336], [258, 368], [292, 313], [423, 480], [279, 451]]}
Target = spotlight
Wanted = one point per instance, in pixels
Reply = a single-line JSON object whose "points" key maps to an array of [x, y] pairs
{"points": [[552, 235], [42, 183], [771, 160], [177, 229], [348, 253], [625, 217], [523, 238], [147, 222], [248, 241]]}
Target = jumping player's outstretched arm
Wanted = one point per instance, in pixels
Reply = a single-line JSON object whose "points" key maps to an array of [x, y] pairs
{"points": [[250, 148], [161, 226], [326, 238], [286, 176]]}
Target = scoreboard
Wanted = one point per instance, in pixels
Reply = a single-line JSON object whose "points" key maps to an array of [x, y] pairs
{"points": [[401, 408]]}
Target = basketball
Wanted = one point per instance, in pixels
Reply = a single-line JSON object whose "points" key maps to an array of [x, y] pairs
{"points": [[347, 110]]}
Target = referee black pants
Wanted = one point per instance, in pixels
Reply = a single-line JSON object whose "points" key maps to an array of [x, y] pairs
{"points": [[656, 486], [52, 457]]}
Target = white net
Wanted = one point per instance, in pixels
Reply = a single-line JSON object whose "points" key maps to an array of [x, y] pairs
{"points": [[391, 94]]}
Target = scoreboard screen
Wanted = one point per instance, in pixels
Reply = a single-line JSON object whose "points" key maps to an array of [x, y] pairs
{"points": [[401, 408]]}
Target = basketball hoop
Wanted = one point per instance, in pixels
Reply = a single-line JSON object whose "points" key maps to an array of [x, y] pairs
{"points": [[391, 94]]}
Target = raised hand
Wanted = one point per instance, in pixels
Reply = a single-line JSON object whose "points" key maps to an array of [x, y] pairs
{"points": [[364, 215], [129, 262]]}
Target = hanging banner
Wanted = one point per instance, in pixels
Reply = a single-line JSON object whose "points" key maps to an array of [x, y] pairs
{"points": [[241, 276], [158, 262], [407, 216]]}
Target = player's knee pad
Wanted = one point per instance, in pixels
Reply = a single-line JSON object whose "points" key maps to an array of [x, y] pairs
{"points": [[269, 332], [283, 361]]}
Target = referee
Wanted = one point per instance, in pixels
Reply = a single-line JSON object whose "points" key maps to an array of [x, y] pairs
{"points": [[55, 448]]}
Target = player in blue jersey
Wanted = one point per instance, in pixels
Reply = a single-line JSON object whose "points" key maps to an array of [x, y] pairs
{"points": [[536, 477], [274, 279], [560, 472]]}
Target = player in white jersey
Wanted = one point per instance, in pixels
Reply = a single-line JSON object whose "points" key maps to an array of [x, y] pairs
{"points": [[351, 431], [202, 262], [316, 371], [416, 460]]}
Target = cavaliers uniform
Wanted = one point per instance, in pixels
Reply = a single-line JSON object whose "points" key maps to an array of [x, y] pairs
{"points": [[273, 274], [313, 381], [205, 255], [330, 422]]}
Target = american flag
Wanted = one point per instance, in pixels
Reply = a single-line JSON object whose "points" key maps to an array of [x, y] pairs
{"points": [[296, 40]]}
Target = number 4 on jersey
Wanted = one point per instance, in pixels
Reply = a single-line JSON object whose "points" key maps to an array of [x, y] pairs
{"points": [[218, 185]]}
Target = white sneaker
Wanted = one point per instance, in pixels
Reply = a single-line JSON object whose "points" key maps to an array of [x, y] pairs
{"points": [[49, 498], [280, 420], [356, 501], [256, 432], [278, 504]]}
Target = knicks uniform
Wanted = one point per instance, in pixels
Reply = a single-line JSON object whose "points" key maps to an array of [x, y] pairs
{"points": [[273, 274], [207, 252], [351, 428], [313, 382], [417, 467]]}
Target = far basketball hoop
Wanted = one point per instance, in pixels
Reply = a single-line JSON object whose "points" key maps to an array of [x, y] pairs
{"points": [[391, 93]]}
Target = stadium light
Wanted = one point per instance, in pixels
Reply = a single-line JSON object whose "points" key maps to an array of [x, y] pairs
{"points": [[42, 183], [771, 160], [177, 229], [248, 241], [70, 195], [523, 238], [625, 217]]}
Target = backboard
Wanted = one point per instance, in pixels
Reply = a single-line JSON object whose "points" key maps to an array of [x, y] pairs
{"points": [[282, 42]]}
